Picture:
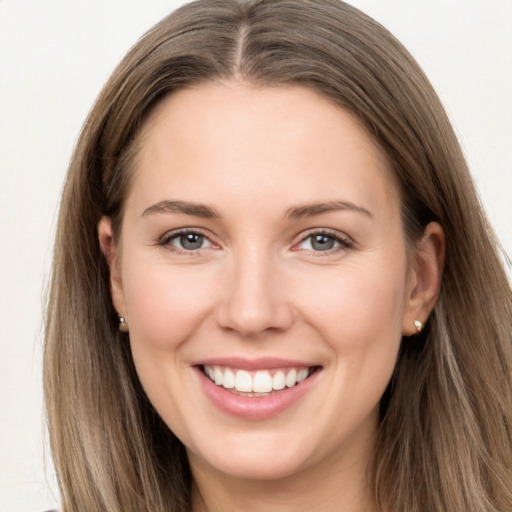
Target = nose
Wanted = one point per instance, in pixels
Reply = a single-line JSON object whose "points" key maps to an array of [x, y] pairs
{"points": [[254, 299]]}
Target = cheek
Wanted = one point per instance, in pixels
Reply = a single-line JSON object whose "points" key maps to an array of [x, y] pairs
{"points": [[356, 307], [164, 304]]}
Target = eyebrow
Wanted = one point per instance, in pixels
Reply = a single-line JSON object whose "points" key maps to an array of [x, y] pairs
{"points": [[296, 212], [186, 207], [310, 210]]}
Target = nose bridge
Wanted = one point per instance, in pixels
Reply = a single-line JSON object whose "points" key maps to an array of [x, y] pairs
{"points": [[255, 300]]}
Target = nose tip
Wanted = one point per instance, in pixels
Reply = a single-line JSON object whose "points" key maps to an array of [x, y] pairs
{"points": [[252, 320], [254, 303]]}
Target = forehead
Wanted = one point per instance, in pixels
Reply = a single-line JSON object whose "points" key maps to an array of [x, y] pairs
{"points": [[287, 142]]}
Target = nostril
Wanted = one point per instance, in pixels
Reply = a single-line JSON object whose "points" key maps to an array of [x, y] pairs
{"points": [[252, 321]]}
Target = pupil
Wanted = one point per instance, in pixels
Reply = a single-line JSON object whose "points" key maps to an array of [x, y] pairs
{"points": [[191, 241], [322, 243]]}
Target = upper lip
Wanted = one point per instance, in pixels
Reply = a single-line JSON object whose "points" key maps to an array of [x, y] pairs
{"points": [[261, 363]]}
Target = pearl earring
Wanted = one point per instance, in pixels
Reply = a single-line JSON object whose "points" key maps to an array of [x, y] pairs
{"points": [[418, 325], [123, 326]]}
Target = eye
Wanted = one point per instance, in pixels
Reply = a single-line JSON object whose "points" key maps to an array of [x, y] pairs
{"points": [[186, 241], [319, 242], [323, 242]]}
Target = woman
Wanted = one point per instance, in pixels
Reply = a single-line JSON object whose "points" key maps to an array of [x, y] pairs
{"points": [[268, 280]]}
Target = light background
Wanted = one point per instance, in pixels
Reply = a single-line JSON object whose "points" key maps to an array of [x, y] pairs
{"points": [[55, 56]]}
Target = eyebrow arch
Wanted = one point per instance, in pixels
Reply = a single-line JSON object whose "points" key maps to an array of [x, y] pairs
{"points": [[186, 207], [310, 210]]}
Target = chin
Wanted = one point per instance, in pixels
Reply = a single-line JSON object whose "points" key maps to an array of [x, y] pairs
{"points": [[266, 460]]}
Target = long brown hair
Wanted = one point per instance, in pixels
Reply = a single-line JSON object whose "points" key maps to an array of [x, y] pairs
{"points": [[445, 438]]}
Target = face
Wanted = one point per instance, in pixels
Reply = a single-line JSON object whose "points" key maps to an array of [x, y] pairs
{"points": [[263, 273]]}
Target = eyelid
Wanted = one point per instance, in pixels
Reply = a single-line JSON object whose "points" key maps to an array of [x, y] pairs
{"points": [[345, 241], [164, 240]]}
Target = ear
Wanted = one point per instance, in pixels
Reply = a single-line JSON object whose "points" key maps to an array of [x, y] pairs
{"points": [[424, 281], [111, 253]]}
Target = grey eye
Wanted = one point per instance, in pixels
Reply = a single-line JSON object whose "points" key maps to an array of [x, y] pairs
{"points": [[322, 242], [186, 241], [190, 241]]}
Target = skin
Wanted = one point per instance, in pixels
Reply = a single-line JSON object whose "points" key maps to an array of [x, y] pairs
{"points": [[258, 287]]}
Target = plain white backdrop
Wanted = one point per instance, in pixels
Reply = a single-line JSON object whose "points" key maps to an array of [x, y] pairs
{"points": [[54, 57]]}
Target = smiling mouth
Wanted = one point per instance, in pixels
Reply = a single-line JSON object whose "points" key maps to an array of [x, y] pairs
{"points": [[258, 383]]}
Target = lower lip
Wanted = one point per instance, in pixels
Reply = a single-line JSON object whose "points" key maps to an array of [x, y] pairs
{"points": [[255, 408]]}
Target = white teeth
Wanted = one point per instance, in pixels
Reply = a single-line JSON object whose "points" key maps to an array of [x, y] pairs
{"points": [[229, 380], [279, 380], [291, 378], [217, 375], [261, 382], [302, 374], [243, 381]]}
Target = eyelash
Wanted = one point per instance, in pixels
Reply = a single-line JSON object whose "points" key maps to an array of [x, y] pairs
{"points": [[344, 242], [166, 240]]}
